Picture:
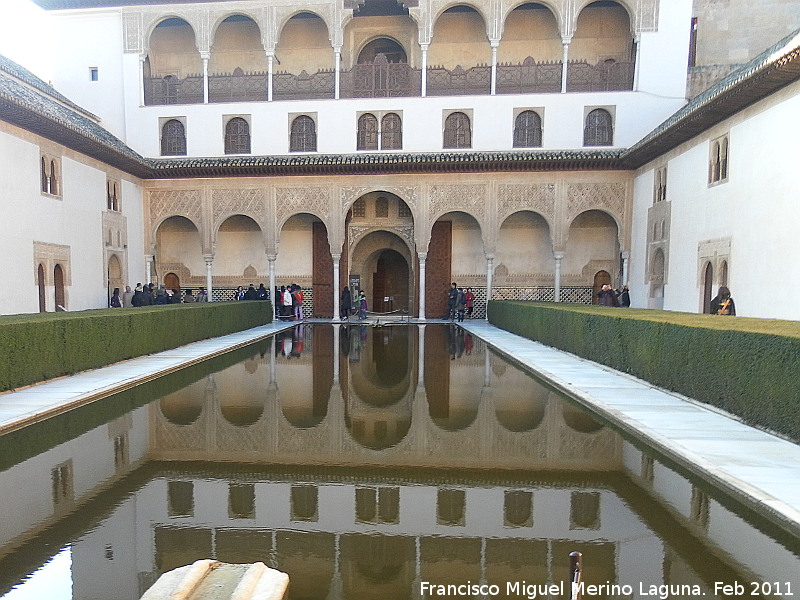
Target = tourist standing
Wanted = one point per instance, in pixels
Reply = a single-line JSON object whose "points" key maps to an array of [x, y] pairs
{"points": [[346, 303], [362, 305], [469, 301], [115, 299], [452, 297], [606, 296], [127, 297]]}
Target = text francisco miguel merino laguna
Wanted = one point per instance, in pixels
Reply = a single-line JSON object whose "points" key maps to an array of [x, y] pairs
{"points": [[531, 591]]}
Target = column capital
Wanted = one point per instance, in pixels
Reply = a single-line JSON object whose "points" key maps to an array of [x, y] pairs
{"points": [[422, 255], [208, 258], [565, 41], [205, 54], [559, 255], [272, 257]]}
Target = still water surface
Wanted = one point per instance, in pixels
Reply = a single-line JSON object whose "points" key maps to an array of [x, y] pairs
{"points": [[367, 463]]}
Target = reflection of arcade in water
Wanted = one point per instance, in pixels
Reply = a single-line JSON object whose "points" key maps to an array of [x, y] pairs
{"points": [[363, 461], [428, 396]]}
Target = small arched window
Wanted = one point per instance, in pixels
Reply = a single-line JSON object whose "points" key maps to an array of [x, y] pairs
{"points": [[382, 207], [237, 136], [598, 130], [303, 136], [457, 131], [53, 178], [173, 138], [528, 130], [367, 136], [45, 177], [391, 132]]}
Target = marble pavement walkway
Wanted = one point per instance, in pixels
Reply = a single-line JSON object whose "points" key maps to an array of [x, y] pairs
{"points": [[35, 403], [759, 469]]}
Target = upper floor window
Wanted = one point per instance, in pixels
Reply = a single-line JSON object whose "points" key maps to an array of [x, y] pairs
{"points": [[528, 130], [379, 132], [718, 160], [173, 138], [391, 132], [113, 200], [237, 136], [303, 136], [660, 185], [598, 129], [382, 207], [50, 175], [367, 136], [360, 208], [457, 131]]}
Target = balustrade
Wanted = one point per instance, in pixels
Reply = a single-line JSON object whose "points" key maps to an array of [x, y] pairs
{"points": [[382, 79]]}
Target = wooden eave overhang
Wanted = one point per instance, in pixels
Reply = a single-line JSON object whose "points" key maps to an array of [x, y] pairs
{"points": [[376, 164]]}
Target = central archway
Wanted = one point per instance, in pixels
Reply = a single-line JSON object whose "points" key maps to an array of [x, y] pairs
{"points": [[381, 262]]}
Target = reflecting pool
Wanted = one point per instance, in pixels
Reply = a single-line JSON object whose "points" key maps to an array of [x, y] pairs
{"points": [[367, 463]]}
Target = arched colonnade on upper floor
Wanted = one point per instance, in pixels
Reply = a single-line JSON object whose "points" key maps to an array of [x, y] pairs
{"points": [[221, 54]]}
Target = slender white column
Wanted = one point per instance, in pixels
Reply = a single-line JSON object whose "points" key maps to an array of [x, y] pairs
{"points": [[337, 53], [557, 275], [489, 274], [424, 69], [205, 56], [271, 260], [494, 44], [336, 259], [270, 62], [636, 59], [142, 58], [209, 258], [626, 257], [564, 62], [422, 258], [148, 268]]}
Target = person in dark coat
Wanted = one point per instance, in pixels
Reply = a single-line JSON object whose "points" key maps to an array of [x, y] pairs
{"points": [[606, 296], [722, 304], [346, 304], [624, 297]]}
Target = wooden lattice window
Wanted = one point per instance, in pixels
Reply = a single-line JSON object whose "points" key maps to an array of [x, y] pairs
{"points": [[528, 130], [237, 136], [173, 138], [391, 132], [367, 135], [303, 137], [598, 129], [457, 131]]}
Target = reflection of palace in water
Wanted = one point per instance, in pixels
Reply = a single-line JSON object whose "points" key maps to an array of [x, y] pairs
{"points": [[258, 462], [437, 397]]}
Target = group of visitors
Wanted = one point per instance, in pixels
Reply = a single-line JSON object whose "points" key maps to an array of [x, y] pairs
{"points": [[289, 302], [347, 306], [460, 303], [608, 296], [252, 293], [150, 295]]}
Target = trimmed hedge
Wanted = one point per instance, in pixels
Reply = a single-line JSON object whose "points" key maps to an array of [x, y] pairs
{"points": [[748, 367], [46, 345]]}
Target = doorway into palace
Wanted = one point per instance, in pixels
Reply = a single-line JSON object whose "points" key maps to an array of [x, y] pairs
{"points": [[390, 284], [382, 262], [172, 282], [601, 278]]}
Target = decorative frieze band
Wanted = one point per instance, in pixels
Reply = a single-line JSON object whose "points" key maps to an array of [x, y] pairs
{"points": [[515, 197], [469, 198]]}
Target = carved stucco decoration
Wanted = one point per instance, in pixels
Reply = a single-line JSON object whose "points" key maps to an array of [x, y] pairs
{"points": [[448, 198], [408, 194], [356, 232], [290, 201], [609, 197], [243, 201], [516, 197], [168, 203]]}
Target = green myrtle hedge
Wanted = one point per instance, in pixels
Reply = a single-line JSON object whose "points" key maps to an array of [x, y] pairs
{"points": [[748, 367], [43, 346]]}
